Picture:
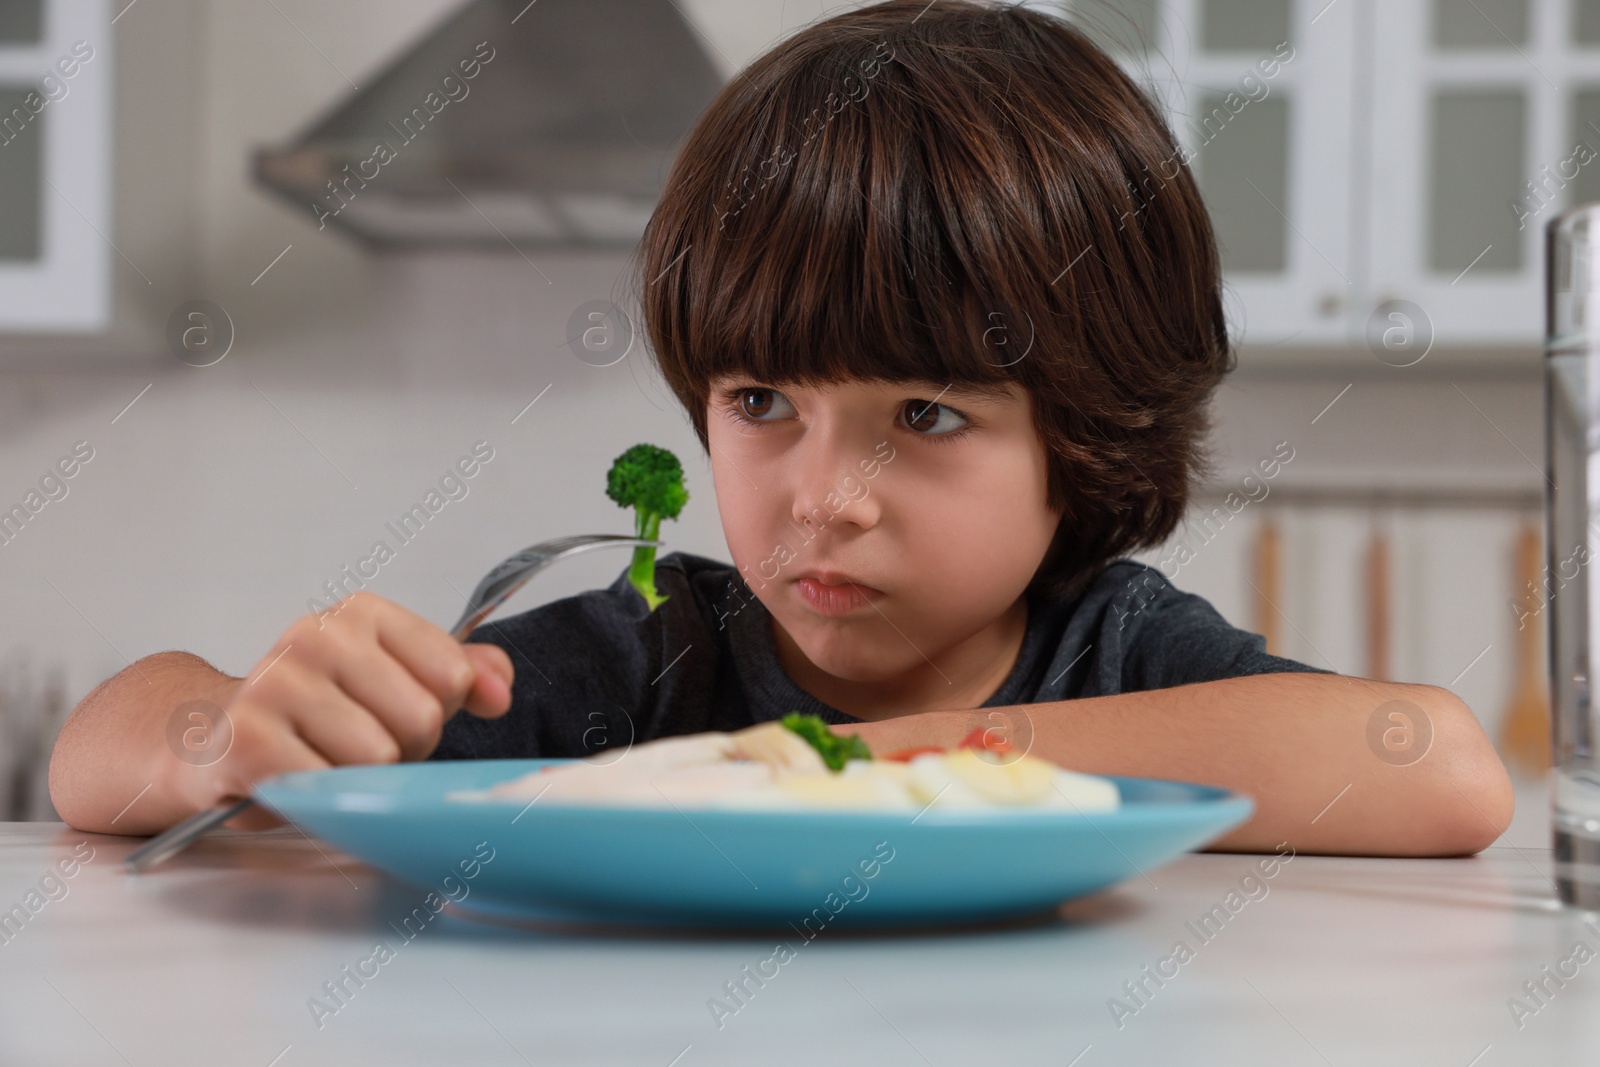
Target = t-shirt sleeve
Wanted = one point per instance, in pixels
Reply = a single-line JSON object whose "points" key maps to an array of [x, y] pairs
{"points": [[1170, 637]]}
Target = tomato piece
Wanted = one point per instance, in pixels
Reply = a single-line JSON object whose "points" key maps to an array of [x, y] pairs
{"points": [[986, 739], [906, 755]]}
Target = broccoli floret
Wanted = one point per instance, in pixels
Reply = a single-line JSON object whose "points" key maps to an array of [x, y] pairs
{"points": [[833, 749], [649, 480]]}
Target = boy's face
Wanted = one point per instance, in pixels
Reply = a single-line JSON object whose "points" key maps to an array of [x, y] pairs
{"points": [[930, 498]]}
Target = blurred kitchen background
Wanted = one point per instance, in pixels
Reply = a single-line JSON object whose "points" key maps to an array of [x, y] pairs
{"points": [[264, 371]]}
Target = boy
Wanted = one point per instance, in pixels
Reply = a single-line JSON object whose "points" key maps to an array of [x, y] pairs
{"points": [[942, 302]]}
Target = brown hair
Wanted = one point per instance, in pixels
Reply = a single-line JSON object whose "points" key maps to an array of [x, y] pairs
{"points": [[927, 191]]}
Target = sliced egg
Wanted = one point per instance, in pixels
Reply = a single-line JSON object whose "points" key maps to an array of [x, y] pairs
{"points": [[1084, 792]]}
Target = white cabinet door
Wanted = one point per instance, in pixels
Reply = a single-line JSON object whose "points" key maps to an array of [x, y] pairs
{"points": [[1470, 102], [55, 166], [1278, 181], [1258, 93]]}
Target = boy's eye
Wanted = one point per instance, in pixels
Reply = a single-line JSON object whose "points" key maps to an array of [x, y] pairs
{"points": [[759, 403], [932, 419], [926, 418]]}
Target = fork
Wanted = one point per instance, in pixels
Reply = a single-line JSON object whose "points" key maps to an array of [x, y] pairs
{"points": [[498, 585]]}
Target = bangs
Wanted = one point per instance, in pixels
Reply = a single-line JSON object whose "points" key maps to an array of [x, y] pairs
{"points": [[833, 268], [840, 232]]}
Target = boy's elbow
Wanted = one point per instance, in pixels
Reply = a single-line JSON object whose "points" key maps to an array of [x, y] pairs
{"points": [[64, 787], [1473, 791]]}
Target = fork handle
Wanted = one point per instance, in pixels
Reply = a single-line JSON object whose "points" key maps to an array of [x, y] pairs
{"points": [[178, 837]]}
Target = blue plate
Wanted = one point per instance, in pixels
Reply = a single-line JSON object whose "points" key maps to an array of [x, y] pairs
{"points": [[666, 867]]}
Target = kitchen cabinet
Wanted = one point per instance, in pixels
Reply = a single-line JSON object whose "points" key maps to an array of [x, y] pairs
{"points": [[1388, 187], [55, 166]]}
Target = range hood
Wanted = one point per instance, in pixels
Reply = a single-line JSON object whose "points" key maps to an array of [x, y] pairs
{"points": [[550, 123]]}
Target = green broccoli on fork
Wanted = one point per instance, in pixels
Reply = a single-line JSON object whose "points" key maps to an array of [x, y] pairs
{"points": [[649, 480]]}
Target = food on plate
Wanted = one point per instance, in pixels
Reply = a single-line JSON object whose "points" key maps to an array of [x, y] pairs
{"points": [[797, 763], [649, 480]]}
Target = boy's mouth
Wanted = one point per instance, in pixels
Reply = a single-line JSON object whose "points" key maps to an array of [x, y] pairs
{"points": [[833, 593]]}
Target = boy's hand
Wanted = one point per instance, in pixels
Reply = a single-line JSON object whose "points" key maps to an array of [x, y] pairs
{"points": [[367, 683]]}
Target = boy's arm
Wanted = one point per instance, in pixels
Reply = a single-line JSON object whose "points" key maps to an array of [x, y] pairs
{"points": [[367, 682], [1296, 743], [105, 769]]}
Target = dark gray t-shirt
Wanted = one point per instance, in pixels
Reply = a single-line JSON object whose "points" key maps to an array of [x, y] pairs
{"points": [[600, 670]]}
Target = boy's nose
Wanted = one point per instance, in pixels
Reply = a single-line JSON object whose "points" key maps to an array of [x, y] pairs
{"points": [[830, 490]]}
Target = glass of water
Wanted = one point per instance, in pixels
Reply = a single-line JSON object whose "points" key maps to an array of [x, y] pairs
{"points": [[1572, 543]]}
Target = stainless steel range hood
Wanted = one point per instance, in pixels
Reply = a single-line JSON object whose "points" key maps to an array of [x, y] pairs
{"points": [[551, 123]]}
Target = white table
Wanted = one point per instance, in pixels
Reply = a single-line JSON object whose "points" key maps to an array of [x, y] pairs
{"points": [[212, 959]]}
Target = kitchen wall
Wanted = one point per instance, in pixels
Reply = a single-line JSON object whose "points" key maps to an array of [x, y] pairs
{"points": [[220, 501]]}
